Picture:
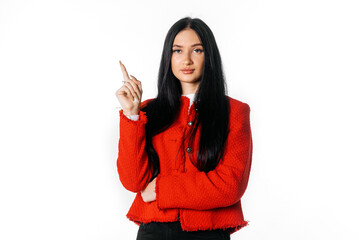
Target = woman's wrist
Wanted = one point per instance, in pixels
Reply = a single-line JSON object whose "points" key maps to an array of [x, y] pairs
{"points": [[128, 113]]}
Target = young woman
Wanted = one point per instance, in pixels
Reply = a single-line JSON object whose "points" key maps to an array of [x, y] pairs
{"points": [[186, 153]]}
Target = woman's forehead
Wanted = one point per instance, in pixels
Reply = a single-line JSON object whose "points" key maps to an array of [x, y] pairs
{"points": [[187, 37]]}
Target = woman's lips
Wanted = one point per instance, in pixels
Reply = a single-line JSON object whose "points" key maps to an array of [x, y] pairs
{"points": [[187, 71]]}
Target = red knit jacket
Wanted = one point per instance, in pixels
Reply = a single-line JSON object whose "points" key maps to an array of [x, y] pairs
{"points": [[202, 201]]}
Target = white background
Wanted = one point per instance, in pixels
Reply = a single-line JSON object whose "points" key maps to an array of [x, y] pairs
{"points": [[294, 62]]}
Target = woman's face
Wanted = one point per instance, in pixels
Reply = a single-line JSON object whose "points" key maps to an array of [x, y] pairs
{"points": [[187, 59]]}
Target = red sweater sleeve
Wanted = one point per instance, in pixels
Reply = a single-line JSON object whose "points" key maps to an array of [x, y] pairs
{"points": [[221, 187], [132, 161]]}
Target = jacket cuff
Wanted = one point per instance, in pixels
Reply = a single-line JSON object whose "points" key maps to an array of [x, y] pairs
{"points": [[167, 195], [141, 120]]}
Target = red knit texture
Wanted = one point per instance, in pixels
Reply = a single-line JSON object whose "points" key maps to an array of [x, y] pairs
{"points": [[204, 201]]}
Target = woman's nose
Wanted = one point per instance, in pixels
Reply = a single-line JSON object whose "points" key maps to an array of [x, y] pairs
{"points": [[187, 58]]}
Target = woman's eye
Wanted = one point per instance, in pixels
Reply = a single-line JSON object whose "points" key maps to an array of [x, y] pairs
{"points": [[198, 50], [176, 50]]}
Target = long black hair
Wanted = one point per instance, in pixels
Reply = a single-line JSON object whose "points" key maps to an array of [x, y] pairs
{"points": [[210, 101]]}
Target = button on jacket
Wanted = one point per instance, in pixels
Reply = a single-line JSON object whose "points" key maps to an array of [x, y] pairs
{"points": [[202, 201]]}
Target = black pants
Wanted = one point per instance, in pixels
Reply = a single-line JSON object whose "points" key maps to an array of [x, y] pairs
{"points": [[173, 231]]}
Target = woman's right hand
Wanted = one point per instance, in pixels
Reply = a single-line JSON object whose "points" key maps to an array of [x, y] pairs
{"points": [[130, 94]]}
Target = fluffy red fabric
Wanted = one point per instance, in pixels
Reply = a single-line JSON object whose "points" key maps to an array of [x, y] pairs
{"points": [[204, 201]]}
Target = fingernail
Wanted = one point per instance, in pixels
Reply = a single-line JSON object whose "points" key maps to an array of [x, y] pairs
{"points": [[120, 62]]}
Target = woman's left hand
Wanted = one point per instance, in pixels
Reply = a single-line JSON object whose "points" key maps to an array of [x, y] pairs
{"points": [[149, 193]]}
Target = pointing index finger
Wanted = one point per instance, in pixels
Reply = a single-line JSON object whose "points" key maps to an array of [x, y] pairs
{"points": [[124, 71]]}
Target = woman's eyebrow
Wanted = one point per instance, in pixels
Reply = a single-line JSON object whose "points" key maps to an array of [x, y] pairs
{"points": [[196, 44]]}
